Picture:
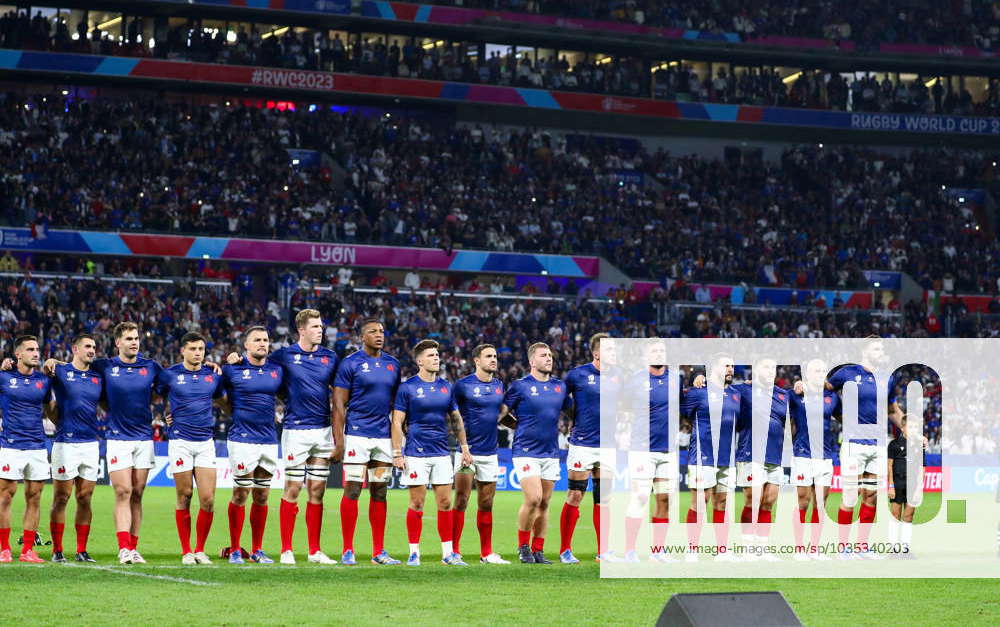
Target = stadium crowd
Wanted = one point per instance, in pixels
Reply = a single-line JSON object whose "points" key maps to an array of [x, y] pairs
{"points": [[969, 23], [405, 57], [815, 219], [56, 310]]}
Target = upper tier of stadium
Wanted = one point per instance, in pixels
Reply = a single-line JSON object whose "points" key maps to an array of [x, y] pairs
{"points": [[609, 72]]}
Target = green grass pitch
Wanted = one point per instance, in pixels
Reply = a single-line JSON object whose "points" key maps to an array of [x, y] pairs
{"points": [[164, 592]]}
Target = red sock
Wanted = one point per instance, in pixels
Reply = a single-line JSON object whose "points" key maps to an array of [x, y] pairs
{"points": [[457, 524], [258, 521], [817, 528], [348, 521], [764, 523], [660, 526], [746, 521], [124, 541], [82, 533], [798, 526], [133, 542], [183, 519], [523, 537], [237, 514], [56, 529], [865, 519], [314, 524], [844, 518], [693, 528], [29, 540], [567, 523], [444, 525], [484, 522], [203, 526], [537, 544], [414, 525], [602, 516], [376, 516], [721, 528], [815, 516], [5, 539], [632, 526], [288, 513]]}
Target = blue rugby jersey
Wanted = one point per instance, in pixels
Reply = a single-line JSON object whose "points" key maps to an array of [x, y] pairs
{"points": [[426, 406]]}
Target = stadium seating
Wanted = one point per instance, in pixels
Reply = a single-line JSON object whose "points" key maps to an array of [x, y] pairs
{"points": [[976, 24], [626, 76], [815, 219]]}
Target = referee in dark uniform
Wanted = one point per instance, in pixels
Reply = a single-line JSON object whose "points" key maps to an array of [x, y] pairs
{"points": [[902, 508]]}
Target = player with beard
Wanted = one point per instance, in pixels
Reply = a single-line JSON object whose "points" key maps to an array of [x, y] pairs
{"points": [[22, 444], [479, 397], [76, 452], [586, 458], [708, 466], [533, 405]]}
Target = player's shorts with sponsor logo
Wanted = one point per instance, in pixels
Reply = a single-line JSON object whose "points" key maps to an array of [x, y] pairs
{"points": [[423, 470], [122, 454], [589, 458], [298, 445], [807, 471], [27, 464], [856, 459], [245, 457], [361, 450], [758, 473], [75, 459], [705, 477], [187, 455], [485, 467], [645, 466], [545, 467]]}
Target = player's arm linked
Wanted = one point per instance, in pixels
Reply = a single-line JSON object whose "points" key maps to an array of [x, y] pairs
{"points": [[338, 415], [506, 418], [396, 434], [457, 427]]}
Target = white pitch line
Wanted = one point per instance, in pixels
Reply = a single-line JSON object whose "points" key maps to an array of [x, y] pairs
{"points": [[193, 582]]}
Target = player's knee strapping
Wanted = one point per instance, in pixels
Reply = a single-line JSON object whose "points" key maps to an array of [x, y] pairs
{"points": [[317, 473], [638, 505], [579, 485], [379, 474], [242, 482], [662, 487], [262, 482], [296, 473], [354, 473], [849, 497]]}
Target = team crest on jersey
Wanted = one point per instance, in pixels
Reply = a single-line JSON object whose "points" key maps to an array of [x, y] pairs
{"points": [[591, 379], [114, 371], [13, 383], [69, 375], [364, 366], [298, 358], [180, 379], [475, 391], [827, 400], [246, 373], [534, 391], [857, 379], [325, 360], [420, 392], [143, 371]]}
